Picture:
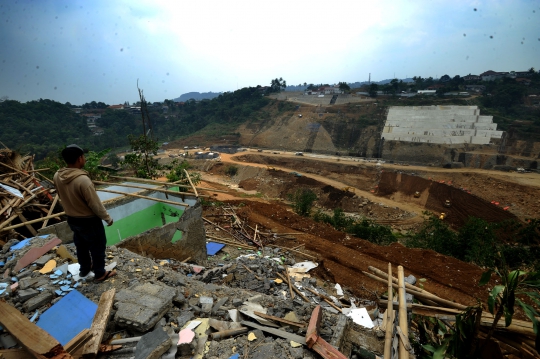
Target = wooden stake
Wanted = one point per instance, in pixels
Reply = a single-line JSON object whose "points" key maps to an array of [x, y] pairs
{"points": [[389, 316], [144, 197], [403, 352], [191, 183]]}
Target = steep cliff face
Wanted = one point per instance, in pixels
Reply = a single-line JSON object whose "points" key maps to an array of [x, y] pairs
{"points": [[316, 131]]}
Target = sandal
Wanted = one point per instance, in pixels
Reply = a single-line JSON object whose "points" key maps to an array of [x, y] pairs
{"points": [[107, 275]]}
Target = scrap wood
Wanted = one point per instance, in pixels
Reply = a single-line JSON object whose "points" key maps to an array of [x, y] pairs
{"points": [[293, 287], [326, 299], [250, 271], [106, 348], [75, 345], [143, 188], [389, 317], [51, 209], [230, 243], [32, 221], [289, 280], [99, 324], [276, 332], [281, 320], [29, 335], [229, 332]]}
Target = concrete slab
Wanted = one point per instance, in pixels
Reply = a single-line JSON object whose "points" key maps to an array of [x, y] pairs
{"points": [[142, 306], [37, 301]]}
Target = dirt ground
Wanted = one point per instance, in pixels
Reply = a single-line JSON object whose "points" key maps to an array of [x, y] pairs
{"points": [[384, 193]]}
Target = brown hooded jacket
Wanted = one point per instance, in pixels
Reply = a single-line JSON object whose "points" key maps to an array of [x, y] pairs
{"points": [[78, 194]]}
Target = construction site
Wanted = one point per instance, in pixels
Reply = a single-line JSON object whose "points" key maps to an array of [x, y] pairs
{"points": [[227, 269]]}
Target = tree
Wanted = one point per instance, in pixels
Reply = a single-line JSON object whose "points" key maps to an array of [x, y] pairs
{"points": [[445, 78], [277, 85], [344, 87], [373, 88]]}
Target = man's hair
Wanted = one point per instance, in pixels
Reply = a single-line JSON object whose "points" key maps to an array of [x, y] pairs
{"points": [[71, 153]]}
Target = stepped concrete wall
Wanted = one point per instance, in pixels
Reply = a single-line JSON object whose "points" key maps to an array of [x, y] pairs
{"points": [[439, 125]]}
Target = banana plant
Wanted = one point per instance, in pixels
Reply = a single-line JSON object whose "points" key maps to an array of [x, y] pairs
{"points": [[504, 297]]}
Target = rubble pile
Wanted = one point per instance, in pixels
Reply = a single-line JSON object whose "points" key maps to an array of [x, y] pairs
{"points": [[25, 195], [166, 308]]}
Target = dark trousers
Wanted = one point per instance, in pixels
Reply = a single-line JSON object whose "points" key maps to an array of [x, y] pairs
{"points": [[90, 240]]}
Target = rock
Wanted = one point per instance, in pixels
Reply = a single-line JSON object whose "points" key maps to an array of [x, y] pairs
{"points": [[219, 303], [24, 294]]}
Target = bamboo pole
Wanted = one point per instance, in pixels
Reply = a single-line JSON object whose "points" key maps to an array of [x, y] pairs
{"points": [[191, 183], [403, 352], [30, 222], [142, 180], [144, 197], [293, 287], [389, 315], [422, 295], [51, 209], [384, 275], [145, 188]]}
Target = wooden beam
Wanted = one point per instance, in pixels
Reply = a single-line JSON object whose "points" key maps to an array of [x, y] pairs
{"points": [[99, 324], [29, 335], [144, 197]]}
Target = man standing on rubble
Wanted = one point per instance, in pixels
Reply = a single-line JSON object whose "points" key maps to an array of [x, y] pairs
{"points": [[84, 212]]}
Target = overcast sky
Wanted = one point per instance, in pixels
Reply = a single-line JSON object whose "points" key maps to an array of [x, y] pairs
{"points": [[82, 51]]}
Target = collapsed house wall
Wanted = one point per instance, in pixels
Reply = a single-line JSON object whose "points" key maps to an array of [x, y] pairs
{"points": [[159, 242]]}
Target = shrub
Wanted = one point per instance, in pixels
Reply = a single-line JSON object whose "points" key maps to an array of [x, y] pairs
{"points": [[231, 171], [302, 201]]}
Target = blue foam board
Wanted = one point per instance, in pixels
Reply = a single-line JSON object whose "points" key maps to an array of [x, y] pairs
{"points": [[68, 317], [212, 248]]}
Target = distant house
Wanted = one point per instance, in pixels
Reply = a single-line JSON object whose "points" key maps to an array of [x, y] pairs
{"points": [[327, 90], [435, 87], [475, 88], [116, 107], [472, 78], [427, 92], [91, 120], [523, 81], [492, 75]]}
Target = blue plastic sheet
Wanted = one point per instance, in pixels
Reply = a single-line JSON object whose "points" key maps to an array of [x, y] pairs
{"points": [[212, 248]]}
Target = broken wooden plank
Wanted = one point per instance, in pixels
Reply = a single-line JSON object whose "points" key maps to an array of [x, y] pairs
{"points": [[15, 354], [276, 332], [99, 324], [281, 320], [30, 335], [30, 222]]}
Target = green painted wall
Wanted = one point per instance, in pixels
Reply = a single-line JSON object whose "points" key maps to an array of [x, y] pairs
{"points": [[141, 221]]}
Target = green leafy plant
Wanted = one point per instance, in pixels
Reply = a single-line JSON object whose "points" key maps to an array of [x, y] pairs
{"points": [[177, 173], [93, 161]]}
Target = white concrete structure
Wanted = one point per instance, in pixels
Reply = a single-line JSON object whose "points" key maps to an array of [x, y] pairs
{"points": [[439, 124]]}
